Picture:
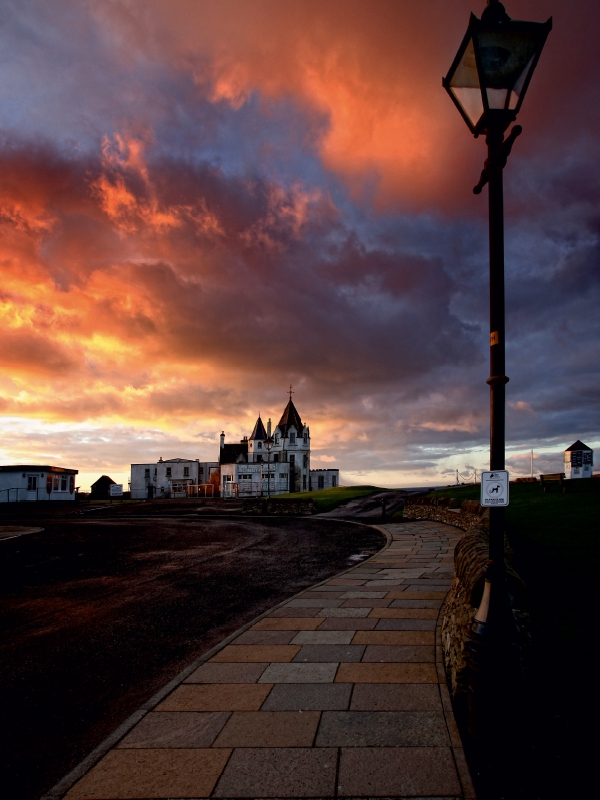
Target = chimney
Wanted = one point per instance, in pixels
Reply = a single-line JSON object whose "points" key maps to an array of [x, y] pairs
{"points": [[222, 439], [269, 428]]}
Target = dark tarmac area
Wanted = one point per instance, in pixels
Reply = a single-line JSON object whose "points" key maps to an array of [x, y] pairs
{"points": [[102, 608]]}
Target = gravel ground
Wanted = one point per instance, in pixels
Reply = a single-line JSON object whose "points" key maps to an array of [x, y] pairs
{"points": [[99, 612]]}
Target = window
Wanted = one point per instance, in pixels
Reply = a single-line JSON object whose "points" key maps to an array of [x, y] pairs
{"points": [[186, 472], [56, 483], [63, 484], [292, 438], [155, 470], [259, 445], [147, 473], [283, 477], [321, 482], [334, 480], [275, 458], [305, 437], [168, 472], [305, 461], [259, 459], [32, 483], [201, 470], [276, 438], [292, 459]]}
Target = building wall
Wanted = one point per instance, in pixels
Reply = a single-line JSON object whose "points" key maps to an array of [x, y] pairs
{"points": [[250, 480], [142, 476], [579, 464], [163, 475], [295, 450], [18, 486], [324, 479]]}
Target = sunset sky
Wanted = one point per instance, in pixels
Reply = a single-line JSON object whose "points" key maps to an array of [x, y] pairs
{"points": [[203, 201]]}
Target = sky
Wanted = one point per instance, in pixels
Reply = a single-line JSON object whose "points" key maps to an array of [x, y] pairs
{"points": [[205, 201]]}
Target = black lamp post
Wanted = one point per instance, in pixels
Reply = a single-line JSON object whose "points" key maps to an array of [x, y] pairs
{"points": [[487, 82], [269, 441]]}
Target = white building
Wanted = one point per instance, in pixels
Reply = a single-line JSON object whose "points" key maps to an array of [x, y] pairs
{"points": [[36, 482], [276, 462], [579, 461], [266, 462], [324, 479], [170, 478]]}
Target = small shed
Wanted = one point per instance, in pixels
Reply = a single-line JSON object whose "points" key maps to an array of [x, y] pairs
{"points": [[101, 488], [579, 461]]}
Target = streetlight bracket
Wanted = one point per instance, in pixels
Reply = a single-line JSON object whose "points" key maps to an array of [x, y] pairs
{"points": [[498, 158]]}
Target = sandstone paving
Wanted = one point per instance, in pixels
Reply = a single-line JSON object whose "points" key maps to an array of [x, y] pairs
{"points": [[335, 693], [324, 637], [216, 697]]}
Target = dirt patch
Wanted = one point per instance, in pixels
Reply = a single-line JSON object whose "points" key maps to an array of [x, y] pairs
{"points": [[98, 613]]}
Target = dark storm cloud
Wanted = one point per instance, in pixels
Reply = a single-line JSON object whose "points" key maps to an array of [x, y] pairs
{"points": [[191, 220]]}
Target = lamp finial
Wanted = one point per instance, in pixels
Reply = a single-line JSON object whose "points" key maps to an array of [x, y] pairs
{"points": [[494, 13]]}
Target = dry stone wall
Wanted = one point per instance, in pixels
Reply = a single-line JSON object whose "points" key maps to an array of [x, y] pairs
{"points": [[260, 505]]}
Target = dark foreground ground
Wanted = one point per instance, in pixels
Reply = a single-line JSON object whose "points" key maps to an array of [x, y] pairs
{"points": [[98, 612], [550, 750]]}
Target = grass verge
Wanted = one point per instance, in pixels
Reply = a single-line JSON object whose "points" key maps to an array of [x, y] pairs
{"points": [[556, 542], [328, 499]]}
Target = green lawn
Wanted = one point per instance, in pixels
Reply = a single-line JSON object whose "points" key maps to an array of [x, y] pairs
{"points": [[328, 499], [556, 543]]}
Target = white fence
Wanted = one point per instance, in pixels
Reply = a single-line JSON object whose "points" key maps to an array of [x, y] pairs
{"points": [[23, 495]]}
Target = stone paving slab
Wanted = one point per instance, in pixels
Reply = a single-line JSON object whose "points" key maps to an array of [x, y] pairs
{"points": [[216, 697], [335, 693], [308, 697], [269, 729], [382, 729], [330, 652]]}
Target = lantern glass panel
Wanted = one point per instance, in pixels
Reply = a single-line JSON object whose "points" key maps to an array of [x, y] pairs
{"points": [[506, 60], [464, 85]]}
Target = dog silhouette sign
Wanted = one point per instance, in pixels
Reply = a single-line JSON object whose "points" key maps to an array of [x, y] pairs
{"points": [[494, 488]]}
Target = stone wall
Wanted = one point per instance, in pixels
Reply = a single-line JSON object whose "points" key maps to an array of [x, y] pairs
{"points": [[260, 505], [445, 509], [471, 556]]}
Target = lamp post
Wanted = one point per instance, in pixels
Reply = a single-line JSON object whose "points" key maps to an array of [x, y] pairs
{"points": [[487, 82], [268, 446]]}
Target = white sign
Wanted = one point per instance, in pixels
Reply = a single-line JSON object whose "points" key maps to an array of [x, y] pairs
{"points": [[494, 488], [116, 490]]}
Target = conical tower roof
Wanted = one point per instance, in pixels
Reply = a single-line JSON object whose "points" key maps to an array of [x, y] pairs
{"points": [[259, 431], [290, 417]]}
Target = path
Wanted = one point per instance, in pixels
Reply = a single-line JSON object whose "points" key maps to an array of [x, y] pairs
{"points": [[336, 693]]}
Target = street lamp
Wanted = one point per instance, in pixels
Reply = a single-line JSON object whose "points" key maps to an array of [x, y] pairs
{"points": [[487, 82], [269, 441]]}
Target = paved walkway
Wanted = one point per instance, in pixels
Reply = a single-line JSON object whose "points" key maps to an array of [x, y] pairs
{"points": [[334, 693]]}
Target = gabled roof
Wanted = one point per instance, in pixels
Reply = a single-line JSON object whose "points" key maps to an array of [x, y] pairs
{"points": [[230, 453], [578, 445], [259, 431], [290, 417]]}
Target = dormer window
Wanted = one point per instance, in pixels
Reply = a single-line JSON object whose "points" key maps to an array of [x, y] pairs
{"points": [[292, 438], [276, 438], [305, 438], [260, 445], [168, 472]]}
